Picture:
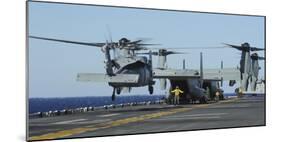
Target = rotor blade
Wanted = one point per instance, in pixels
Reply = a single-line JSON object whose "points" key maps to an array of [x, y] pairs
{"points": [[112, 45], [135, 48], [199, 47], [233, 46], [174, 52], [147, 44], [109, 33], [166, 53], [69, 41], [256, 49], [139, 40], [144, 39], [189, 48], [147, 53], [135, 42], [261, 58], [140, 48], [241, 48]]}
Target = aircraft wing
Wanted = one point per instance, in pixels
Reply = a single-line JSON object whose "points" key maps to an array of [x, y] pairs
{"points": [[99, 77], [174, 74], [218, 74]]}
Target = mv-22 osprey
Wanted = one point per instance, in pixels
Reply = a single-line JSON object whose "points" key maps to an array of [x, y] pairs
{"points": [[204, 86], [249, 65], [122, 72], [197, 84]]}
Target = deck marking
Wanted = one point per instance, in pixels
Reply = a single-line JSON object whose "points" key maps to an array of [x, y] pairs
{"points": [[199, 114], [69, 121], [65, 133], [188, 118], [94, 121], [76, 131], [193, 116], [230, 100], [108, 115]]}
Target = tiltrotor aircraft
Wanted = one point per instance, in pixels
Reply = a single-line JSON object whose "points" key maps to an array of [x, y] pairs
{"points": [[249, 67], [191, 81], [196, 86]]}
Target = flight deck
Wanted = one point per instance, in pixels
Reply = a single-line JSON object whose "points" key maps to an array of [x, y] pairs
{"points": [[232, 112]]}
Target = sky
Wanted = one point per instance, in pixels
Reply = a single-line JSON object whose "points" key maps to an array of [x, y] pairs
{"points": [[53, 66]]}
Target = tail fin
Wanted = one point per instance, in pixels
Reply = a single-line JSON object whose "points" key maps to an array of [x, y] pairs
{"points": [[201, 69], [221, 73], [183, 64]]}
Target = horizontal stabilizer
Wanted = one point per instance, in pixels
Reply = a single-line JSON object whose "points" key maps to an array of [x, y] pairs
{"points": [[99, 77], [174, 74], [225, 73]]}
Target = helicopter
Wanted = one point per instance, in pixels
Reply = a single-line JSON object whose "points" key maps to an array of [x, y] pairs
{"points": [[122, 72], [249, 67]]}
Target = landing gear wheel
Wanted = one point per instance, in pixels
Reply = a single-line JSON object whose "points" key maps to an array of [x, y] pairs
{"points": [[203, 100], [118, 91], [150, 89]]}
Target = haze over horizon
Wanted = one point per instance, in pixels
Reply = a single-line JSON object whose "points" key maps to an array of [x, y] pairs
{"points": [[53, 66]]}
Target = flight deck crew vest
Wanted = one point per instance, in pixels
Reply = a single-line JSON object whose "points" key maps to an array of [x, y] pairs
{"points": [[177, 92]]}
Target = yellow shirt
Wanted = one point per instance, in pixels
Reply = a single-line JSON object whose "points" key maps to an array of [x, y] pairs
{"points": [[177, 92], [240, 90]]}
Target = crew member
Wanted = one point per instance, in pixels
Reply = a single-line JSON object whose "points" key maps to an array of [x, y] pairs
{"points": [[217, 96], [177, 92], [208, 93], [240, 92]]}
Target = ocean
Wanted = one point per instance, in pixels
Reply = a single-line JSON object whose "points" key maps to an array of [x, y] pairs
{"points": [[51, 104]]}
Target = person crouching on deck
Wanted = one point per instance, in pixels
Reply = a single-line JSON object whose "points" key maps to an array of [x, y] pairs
{"points": [[177, 92]]}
